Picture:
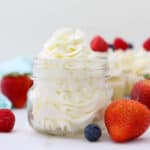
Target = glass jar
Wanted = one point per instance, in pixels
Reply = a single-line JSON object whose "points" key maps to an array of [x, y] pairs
{"points": [[67, 95]]}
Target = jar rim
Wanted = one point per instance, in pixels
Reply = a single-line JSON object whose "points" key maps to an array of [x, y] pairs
{"points": [[100, 57]]}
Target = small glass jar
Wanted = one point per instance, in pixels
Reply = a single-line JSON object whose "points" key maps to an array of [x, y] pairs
{"points": [[67, 95]]}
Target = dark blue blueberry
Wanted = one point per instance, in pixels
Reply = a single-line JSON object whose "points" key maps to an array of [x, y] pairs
{"points": [[130, 45], [92, 132], [111, 46]]}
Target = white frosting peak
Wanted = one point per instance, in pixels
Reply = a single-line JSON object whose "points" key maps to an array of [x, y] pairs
{"points": [[66, 43]]}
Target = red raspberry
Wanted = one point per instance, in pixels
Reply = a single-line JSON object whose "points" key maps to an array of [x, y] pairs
{"points": [[98, 44], [7, 120], [120, 43], [146, 45]]}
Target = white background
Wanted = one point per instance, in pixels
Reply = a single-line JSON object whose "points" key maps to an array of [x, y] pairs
{"points": [[26, 24]]}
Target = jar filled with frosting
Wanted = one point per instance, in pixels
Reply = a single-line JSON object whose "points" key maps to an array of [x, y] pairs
{"points": [[70, 85]]}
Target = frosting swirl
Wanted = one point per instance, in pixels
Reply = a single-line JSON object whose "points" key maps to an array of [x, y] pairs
{"points": [[141, 64], [66, 44]]}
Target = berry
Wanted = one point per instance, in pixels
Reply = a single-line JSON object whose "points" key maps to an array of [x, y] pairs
{"points": [[126, 120], [7, 120], [111, 46], [120, 44], [92, 132], [130, 45], [98, 44], [146, 45], [141, 92], [16, 88]]}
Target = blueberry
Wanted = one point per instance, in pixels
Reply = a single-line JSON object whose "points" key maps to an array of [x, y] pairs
{"points": [[92, 132], [130, 45], [111, 46]]}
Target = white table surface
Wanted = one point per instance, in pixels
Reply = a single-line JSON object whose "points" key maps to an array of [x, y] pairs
{"points": [[24, 138]]}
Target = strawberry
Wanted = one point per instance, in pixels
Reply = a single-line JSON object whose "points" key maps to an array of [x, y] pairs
{"points": [[15, 87], [126, 120], [146, 45], [98, 44], [7, 120], [141, 92], [121, 44]]}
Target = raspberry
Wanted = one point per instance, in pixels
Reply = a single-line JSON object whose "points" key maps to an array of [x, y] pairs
{"points": [[7, 120], [146, 45], [120, 43], [98, 44]]}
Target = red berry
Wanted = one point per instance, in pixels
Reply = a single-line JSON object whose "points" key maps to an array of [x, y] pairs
{"points": [[16, 88], [146, 45], [126, 120], [120, 44], [98, 44], [7, 120], [141, 92]]}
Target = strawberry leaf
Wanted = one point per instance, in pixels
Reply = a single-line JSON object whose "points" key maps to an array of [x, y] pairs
{"points": [[147, 76]]}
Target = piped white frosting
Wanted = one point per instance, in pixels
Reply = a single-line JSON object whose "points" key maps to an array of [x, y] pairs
{"points": [[130, 61]]}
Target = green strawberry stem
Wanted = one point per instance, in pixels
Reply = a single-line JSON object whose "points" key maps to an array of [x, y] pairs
{"points": [[147, 76]]}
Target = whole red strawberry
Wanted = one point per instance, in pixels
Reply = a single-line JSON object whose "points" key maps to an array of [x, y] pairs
{"points": [[7, 120], [121, 44], [146, 45], [15, 87], [126, 120], [98, 44], [141, 92]]}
